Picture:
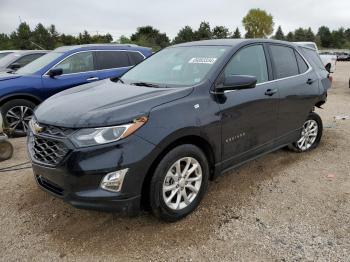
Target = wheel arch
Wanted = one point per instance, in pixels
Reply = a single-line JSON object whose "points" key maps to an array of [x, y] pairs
{"points": [[196, 140], [36, 100]]}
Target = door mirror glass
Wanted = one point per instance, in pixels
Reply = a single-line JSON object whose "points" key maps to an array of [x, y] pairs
{"points": [[237, 82], [55, 72]]}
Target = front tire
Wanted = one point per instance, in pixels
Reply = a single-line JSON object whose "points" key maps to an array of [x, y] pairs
{"points": [[17, 114], [310, 136], [179, 183]]}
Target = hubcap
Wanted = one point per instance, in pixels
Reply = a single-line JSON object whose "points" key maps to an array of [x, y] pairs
{"points": [[182, 183], [308, 135], [18, 117]]}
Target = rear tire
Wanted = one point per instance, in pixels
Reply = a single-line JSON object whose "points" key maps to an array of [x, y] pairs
{"points": [[179, 183], [310, 135], [16, 115]]}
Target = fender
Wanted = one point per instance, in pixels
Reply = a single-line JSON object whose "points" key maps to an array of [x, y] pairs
{"points": [[31, 97]]}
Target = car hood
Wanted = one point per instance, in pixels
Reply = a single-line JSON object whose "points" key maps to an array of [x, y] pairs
{"points": [[6, 76], [104, 103]]}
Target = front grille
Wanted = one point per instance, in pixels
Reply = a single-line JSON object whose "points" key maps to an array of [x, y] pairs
{"points": [[47, 151], [49, 186], [56, 131]]}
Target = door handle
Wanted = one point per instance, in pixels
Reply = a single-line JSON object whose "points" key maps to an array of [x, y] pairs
{"points": [[270, 92], [92, 78], [310, 81]]}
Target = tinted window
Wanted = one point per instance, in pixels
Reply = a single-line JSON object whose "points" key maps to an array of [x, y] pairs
{"points": [[301, 63], [135, 57], [313, 56], [249, 61], [285, 61], [111, 59], [27, 59], [80, 62]]}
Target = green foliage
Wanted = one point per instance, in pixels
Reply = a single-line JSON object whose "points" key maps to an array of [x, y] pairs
{"points": [[290, 37], [325, 36], [236, 34], [46, 38], [203, 31], [150, 37], [258, 24], [186, 34], [220, 32], [279, 34]]}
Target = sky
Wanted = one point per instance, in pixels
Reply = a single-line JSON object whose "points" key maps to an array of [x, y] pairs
{"points": [[169, 16]]}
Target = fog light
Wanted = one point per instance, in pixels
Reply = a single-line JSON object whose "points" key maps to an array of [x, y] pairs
{"points": [[113, 181]]}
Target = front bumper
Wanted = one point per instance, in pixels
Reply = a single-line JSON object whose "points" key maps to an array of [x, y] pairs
{"points": [[76, 179]]}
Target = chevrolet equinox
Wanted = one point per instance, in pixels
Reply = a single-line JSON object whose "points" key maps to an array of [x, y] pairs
{"points": [[155, 136]]}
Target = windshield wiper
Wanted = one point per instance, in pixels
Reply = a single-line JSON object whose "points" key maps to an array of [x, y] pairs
{"points": [[144, 84]]}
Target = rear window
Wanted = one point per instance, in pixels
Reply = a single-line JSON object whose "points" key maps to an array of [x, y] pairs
{"points": [[111, 59], [284, 60], [135, 58], [301, 63]]}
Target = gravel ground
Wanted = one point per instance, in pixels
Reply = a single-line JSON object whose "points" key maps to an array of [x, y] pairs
{"points": [[282, 207]]}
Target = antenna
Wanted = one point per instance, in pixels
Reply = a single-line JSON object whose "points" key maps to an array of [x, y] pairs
{"points": [[37, 45]]}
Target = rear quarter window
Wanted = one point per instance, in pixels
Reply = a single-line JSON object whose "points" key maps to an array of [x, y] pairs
{"points": [[313, 57], [135, 58], [284, 60], [303, 67], [111, 59]]}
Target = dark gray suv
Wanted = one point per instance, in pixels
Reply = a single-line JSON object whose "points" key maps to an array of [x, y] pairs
{"points": [[154, 137]]}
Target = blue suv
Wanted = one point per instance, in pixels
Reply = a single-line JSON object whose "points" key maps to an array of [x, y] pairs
{"points": [[63, 68]]}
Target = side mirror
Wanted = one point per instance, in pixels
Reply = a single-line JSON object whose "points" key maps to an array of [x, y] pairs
{"points": [[55, 72], [236, 82], [15, 66]]}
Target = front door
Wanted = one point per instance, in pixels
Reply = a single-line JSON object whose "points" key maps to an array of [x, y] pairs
{"points": [[249, 116], [77, 69]]}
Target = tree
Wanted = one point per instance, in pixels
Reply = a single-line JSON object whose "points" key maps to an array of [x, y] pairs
{"points": [[309, 35], [5, 42], [41, 37], [220, 32], [236, 34], [54, 37], [299, 35], [258, 23], [185, 34], [151, 37], [338, 38], [290, 37], [21, 37], [325, 36], [279, 34], [84, 38], [203, 31]]}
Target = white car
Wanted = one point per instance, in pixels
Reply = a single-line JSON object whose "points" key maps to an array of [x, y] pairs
{"points": [[329, 60]]}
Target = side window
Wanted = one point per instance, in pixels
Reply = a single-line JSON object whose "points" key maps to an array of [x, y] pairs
{"points": [[27, 59], [284, 60], [77, 63], [313, 56], [111, 59], [250, 60], [135, 57], [301, 63]]}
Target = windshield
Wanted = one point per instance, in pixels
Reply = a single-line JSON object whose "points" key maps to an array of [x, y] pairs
{"points": [[8, 59], [39, 63], [178, 66]]}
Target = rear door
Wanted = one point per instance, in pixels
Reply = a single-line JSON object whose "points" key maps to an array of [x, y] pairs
{"points": [[249, 116], [78, 69], [297, 87]]}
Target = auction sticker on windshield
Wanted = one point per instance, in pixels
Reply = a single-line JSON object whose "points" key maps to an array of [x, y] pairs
{"points": [[202, 60]]}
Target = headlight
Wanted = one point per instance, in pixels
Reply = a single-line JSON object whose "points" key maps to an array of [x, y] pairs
{"points": [[103, 135]]}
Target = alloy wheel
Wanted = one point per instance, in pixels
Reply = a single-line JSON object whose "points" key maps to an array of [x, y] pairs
{"points": [[17, 119], [182, 183], [308, 135]]}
